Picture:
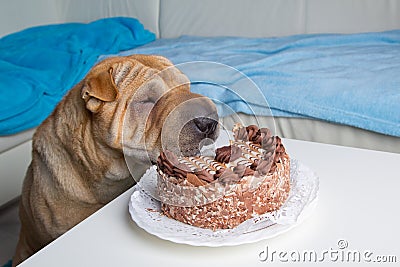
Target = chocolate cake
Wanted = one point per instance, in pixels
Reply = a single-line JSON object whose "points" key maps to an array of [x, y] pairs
{"points": [[245, 179]]}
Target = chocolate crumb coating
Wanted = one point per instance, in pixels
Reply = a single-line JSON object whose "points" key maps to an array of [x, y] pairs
{"points": [[255, 167]]}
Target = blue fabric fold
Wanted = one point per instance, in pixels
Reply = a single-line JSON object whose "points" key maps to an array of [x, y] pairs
{"points": [[351, 79], [39, 65]]}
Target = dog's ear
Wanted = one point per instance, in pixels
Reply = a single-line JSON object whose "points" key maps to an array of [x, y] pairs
{"points": [[99, 88]]}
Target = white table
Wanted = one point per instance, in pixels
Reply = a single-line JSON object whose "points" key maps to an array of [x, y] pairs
{"points": [[358, 202]]}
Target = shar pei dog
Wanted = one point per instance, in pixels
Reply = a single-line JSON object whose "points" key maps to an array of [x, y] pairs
{"points": [[126, 107]]}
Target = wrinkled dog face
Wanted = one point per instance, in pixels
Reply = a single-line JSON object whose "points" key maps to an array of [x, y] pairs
{"points": [[142, 104]]}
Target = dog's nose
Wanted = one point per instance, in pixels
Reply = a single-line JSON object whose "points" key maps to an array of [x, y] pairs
{"points": [[206, 125]]}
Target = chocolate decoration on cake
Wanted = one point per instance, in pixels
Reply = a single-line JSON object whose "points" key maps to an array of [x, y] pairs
{"points": [[254, 134], [227, 153], [245, 179], [241, 134], [205, 176], [194, 180]]}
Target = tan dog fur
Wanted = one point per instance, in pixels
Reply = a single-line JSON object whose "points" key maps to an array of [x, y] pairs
{"points": [[78, 163]]}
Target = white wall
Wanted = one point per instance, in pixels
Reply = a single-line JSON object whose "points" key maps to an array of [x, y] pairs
{"points": [[212, 17], [88, 10], [262, 18], [16, 15]]}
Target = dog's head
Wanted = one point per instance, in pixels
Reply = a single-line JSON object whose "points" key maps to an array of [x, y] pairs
{"points": [[141, 104]]}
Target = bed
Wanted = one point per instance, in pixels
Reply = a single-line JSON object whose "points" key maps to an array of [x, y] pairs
{"points": [[295, 39]]}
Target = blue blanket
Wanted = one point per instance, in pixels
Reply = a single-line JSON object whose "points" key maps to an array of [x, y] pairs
{"points": [[39, 65], [350, 79]]}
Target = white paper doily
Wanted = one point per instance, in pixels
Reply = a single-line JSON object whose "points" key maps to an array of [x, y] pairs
{"points": [[145, 211]]}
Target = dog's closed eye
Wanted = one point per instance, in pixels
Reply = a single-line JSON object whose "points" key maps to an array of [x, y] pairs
{"points": [[150, 99], [144, 101]]}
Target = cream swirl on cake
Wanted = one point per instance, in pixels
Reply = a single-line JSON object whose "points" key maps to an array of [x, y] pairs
{"points": [[245, 179]]}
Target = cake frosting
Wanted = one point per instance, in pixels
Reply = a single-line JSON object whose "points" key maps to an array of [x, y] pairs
{"points": [[245, 179]]}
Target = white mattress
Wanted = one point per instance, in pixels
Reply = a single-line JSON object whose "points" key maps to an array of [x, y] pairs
{"points": [[322, 132], [15, 156], [10, 141]]}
